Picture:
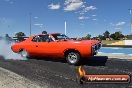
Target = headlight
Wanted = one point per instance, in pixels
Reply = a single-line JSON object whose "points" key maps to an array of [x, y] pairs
{"points": [[92, 50], [96, 46], [99, 45], [93, 47]]}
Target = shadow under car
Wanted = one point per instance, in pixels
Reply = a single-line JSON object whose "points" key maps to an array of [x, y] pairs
{"points": [[95, 61], [92, 61]]}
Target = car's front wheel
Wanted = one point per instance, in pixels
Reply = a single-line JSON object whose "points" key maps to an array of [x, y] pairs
{"points": [[73, 58], [24, 53]]}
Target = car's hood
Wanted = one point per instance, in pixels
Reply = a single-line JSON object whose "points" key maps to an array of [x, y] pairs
{"points": [[90, 41]]}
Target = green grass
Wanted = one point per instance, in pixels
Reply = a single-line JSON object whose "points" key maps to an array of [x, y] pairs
{"points": [[109, 41]]}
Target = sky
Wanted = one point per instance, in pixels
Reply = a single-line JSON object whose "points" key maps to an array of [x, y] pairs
{"points": [[82, 16]]}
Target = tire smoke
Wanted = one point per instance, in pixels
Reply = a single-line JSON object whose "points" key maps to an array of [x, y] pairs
{"points": [[7, 53]]}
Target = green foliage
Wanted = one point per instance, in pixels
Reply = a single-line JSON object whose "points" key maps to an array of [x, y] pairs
{"points": [[106, 34], [117, 35], [101, 37], [129, 37], [20, 36], [7, 37], [87, 37]]}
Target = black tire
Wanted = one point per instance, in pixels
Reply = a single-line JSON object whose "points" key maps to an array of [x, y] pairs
{"points": [[24, 53], [73, 58]]}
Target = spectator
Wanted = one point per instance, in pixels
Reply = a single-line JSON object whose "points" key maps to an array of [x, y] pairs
{"points": [[44, 32]]}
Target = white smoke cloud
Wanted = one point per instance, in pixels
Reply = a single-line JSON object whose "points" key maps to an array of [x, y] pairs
{"points": [[7, 53]]}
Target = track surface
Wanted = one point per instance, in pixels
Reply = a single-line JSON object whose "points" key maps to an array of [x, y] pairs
{"points": [[58, 74]]}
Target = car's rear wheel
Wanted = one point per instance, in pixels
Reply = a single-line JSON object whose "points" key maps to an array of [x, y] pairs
{"points": [[73, 58], [24, 53]]}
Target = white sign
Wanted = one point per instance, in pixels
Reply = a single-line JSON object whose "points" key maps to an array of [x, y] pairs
{"points": [[128, 42]]}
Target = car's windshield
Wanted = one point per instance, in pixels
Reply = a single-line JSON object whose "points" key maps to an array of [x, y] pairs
{"points": [[60, 36]]}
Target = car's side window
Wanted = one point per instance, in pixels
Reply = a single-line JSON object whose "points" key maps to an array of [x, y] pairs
{"points": [[35, 39], [42, 38]]}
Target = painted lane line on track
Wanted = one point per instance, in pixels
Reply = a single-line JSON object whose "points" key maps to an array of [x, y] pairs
{"points": [[116, 48], [114, 53], [117, 53], [125, 57]]}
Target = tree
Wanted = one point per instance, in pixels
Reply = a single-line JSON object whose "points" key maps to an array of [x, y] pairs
{"points": [[129, 37], [117, 35], [106, 34], [113, 36], [87, 37], [7, 37], [101, 37], [20, 36]]}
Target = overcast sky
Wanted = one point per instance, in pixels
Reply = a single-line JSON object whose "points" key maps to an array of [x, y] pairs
{"points": [[82, 16]]}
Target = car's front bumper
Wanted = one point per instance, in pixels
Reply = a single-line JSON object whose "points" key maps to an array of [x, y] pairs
{"points": [[95, 48]]}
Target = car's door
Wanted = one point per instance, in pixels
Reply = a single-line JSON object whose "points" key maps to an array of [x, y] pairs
{"points": [[45, 46], [33, 46]]}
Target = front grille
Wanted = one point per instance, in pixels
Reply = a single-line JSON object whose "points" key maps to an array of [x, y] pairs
{"points": [[94, 50]]}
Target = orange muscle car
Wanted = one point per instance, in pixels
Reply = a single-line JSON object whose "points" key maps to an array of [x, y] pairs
{"points": [[57, 45]]}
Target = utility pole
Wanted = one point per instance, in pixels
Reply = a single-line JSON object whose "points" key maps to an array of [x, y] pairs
{"points": [[30, 24], [130, 12], [65, 27]]}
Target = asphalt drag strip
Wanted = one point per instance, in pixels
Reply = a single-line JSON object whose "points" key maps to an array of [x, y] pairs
{"points": [[58, 74], [9, 79]]}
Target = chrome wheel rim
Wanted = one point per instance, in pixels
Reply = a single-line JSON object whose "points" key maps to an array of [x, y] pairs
{"points": [[72, 57]]}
